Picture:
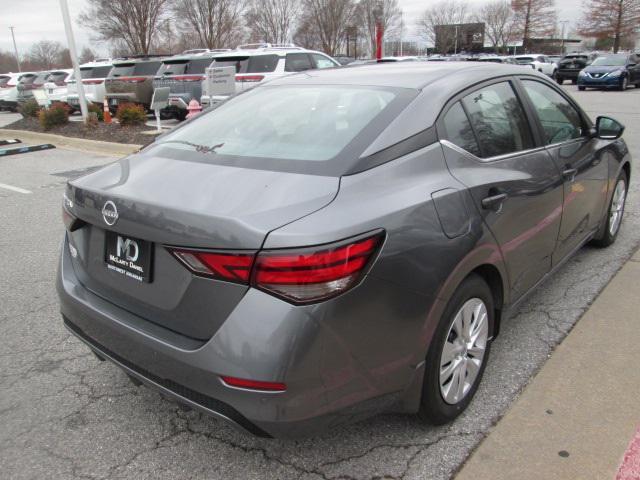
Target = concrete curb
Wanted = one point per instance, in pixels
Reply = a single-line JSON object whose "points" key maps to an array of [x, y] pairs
{"points": [[91, 146], [574, 420]]}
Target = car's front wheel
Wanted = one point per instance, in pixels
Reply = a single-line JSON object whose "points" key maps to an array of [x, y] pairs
{"points": [[615, 212], [624, 83], [459, 352], [559, 79]]}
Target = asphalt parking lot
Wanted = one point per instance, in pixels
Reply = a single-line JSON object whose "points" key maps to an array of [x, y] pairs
{"points": [[64, 414]]}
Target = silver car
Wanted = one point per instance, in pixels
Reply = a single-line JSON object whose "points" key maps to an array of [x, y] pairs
{"points": [[337, 243]]}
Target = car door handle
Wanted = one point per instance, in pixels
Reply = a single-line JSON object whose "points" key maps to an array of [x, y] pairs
{"points": [[494, 202], [570, 174]]}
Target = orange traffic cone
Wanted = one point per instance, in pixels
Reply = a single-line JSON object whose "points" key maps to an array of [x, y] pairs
{"points": [[107, 113]]}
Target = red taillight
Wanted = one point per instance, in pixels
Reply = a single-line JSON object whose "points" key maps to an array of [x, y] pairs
{"points": [[249, 78], [314, 274], [254, 384], [92, 82], [299, 276], [232, 267], [132, 79]]}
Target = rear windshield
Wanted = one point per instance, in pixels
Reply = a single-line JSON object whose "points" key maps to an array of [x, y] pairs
{"points": [[254, 64], [4, 80], [524, 60], [146, 68], [172, 68], [41, 78], [27, 79], [199, 65], [57, 77], [265, 123], [122, 70], [95, 72], [611, 61]]}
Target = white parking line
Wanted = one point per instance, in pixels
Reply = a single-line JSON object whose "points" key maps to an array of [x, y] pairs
{"points": [[14, 189]]}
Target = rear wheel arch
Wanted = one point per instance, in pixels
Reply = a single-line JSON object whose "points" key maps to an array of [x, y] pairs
{"points": [[492, 276]]}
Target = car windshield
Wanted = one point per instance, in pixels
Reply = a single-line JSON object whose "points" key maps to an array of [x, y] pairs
{"points": [[4, 80], [247, 64], [610, 61], [266, 123], [524, 60]]}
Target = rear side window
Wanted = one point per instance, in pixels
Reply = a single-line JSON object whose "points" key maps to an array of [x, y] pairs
{"points": [[498, 120], [146, 68], [458, 130], [560, 121], [172, 68], [297, 62]]}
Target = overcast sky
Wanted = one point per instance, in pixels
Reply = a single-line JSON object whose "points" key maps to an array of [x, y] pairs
{"points": [[36, 20]]}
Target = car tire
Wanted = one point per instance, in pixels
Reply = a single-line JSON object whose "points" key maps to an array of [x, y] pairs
{"points": [[560, 80], [624, 83], [613, 220], [454, 353], [582, 89]]}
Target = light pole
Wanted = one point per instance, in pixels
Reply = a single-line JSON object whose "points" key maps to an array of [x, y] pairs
{"points": [[564, 24], [74, 58], [15, 48], [455, 48]]}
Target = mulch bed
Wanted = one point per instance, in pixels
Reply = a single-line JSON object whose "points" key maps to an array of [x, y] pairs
{"points": [[108, 133]]}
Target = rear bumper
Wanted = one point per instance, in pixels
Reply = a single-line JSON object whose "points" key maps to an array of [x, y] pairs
{"points": [[568, 74], [263, 339]]}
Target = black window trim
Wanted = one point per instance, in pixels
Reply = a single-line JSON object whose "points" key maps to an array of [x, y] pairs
{"points": [[534, 131], [535, 119]]}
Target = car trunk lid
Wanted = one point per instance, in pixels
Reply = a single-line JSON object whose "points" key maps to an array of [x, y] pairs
{"points": [[167, 202]]}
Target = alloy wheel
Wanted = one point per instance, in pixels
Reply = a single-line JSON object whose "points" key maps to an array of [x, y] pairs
{"points": [[617, 207], [463, 351]]}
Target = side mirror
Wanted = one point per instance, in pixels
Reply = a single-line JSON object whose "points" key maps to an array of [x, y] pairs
{"points": [[608, 128]]}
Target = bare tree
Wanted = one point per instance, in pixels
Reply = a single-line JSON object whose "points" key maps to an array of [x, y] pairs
{"points": [[45, 53], [614, 19], [8, 62], [132, 23], [499, 23], [86, 55], [534, 18], [329, 20], [439, 14], [218, 23], [370, 11], [271, 20]]}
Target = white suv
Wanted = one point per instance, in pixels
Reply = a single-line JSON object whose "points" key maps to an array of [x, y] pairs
{"points": [[93, 75], [257, 63], [539, 62], [9, 90]]}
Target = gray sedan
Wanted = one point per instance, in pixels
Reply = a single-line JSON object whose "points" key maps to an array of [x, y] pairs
{"points": [[337, 243]]}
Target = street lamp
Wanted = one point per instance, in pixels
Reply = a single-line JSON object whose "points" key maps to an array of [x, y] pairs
{"points": [[74, 58], [564, 24], [15, 48]]}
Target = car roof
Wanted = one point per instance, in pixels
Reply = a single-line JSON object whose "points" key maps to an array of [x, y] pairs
{"points": [[108, 63], [414, 75], [280, 51]]}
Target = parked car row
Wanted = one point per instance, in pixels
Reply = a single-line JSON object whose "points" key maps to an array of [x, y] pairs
{"points": [[133, 79]]}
